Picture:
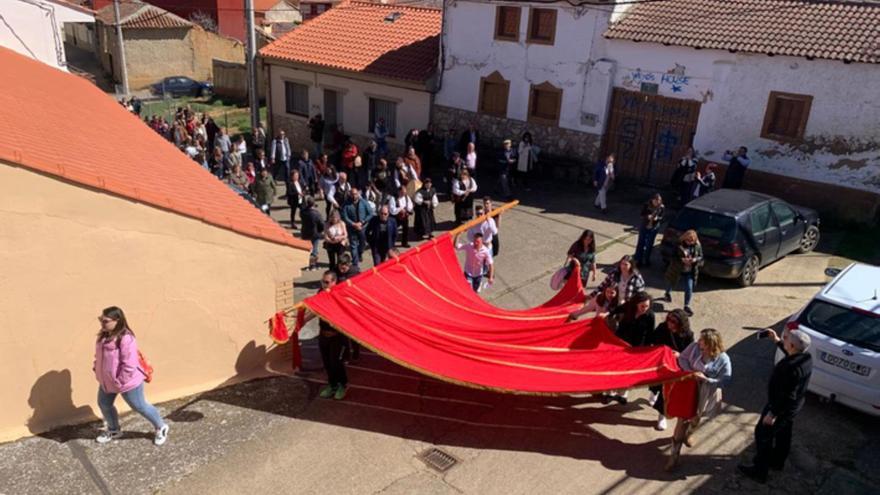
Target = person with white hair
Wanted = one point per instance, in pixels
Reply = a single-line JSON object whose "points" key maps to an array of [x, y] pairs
{"points": [[787, 390]]}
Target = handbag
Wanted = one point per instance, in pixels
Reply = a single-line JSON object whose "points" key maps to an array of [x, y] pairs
{"points": [[558, 278], [145, 367]]}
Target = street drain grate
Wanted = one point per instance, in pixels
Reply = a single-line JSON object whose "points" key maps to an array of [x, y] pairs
{"points": [[437, 459]]}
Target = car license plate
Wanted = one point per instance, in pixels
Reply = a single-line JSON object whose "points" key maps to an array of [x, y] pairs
{"points": [[846, 364]]}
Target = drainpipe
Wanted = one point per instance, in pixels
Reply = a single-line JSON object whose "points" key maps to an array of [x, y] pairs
{"points": [[120, 43]]}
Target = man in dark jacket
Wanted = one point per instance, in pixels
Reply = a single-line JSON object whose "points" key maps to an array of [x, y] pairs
{"points": [[312, 229], [787, 389], [381, 234]]}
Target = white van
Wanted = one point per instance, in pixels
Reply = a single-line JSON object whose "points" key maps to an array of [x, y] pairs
{"points": [[843, 320]]}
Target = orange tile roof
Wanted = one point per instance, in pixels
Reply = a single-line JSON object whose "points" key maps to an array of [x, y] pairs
{"points": [[821, 29], [61, 125], [355, 36]]}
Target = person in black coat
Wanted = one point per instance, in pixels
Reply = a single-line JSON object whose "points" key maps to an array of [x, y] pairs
{"points": [[312, 228], [786, 394], [381, 234], [635, 327], [470, 135], [675, 333]]}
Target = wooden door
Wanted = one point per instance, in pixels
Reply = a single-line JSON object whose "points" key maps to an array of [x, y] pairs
{"points": [[648, 134]]}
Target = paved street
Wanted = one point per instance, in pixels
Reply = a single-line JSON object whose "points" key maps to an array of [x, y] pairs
{"points": [[275, 435]]}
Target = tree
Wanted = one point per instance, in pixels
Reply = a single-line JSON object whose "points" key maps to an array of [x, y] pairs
{"points": [[204, 20]]}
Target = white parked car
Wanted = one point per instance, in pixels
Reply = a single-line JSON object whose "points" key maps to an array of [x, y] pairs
{"points": [[843, 320]]}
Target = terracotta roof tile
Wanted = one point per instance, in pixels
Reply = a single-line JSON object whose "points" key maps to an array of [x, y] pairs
{"points": [[134, 14], [847, 31], [94, 142], [355, 36]]}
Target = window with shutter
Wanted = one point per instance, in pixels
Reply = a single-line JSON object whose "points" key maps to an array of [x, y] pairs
{"points": [[542, 26], [493, 95], [545, 101], [296, 96], [383, 109], [786, 116], [507, 23]]}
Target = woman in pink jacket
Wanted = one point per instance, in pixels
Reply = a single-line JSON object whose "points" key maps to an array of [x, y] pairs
{"points": [[118, 371]]}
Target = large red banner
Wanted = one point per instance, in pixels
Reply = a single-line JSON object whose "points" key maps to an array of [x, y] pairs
{"points": [[420, 312]]}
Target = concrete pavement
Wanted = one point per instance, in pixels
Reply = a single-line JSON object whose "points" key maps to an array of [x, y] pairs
{"points": [[274, 435]]}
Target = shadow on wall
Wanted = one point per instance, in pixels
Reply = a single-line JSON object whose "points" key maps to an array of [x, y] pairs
{"points": [[52, 401]]}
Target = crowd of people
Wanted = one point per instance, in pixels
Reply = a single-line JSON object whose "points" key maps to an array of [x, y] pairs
{"points": [[370, 204]]}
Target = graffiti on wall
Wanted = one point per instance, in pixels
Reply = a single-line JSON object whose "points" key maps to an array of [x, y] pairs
{"points": [[674, 80]]}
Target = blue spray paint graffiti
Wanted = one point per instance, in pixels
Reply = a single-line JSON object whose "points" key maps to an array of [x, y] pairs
{"points": [[673, 82]]}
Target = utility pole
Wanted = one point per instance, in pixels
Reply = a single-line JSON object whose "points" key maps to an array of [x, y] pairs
{"points": [[121, 43], [251, 60]]}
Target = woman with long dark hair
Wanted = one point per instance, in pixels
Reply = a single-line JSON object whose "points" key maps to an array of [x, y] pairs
{"points": [[675, 333], [584, 251], [635, 323], [626, 277], [117, 368]]}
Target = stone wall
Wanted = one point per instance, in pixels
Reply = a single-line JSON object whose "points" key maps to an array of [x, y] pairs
{"points": [[571, 154]]}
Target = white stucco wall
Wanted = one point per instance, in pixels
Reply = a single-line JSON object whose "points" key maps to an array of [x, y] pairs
{"points": [[413, 106], [472, 52], [734, 89], [36, 29]]}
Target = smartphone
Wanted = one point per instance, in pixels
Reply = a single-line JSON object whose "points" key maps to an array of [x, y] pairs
{"points": [[763, 334]]}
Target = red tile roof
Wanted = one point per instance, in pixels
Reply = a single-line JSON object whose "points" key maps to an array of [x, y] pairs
{"points": [[355, 36], [134, 14], [821, 29], [59, 124]]}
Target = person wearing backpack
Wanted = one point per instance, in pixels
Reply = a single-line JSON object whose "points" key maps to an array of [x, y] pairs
{"points": [[119, 371]]}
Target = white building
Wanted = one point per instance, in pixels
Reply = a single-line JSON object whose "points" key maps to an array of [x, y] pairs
{"points": [[799, 86], [35, 28], [354, 65], [513, 66]]}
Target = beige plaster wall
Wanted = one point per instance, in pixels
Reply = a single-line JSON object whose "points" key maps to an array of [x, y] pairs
{"points": [[413, 106], [197, 297], [153, 54]]}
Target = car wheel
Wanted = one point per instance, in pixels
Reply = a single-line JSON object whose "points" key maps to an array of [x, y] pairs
{"points": [[749, 272], [809, 240]]}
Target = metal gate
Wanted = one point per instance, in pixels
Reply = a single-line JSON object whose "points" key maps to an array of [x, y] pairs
{"points": [[649, 134]]}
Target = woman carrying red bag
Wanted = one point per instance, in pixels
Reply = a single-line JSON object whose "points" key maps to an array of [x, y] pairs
{"points": [[118, 370]]}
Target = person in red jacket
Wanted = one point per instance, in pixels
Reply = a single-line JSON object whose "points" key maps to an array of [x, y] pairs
{"points": [[349, 153]]}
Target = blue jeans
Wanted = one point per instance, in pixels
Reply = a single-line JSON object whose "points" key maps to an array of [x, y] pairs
{"points": [[135, 399], [645, 244], [381, 147], [688, 287], [474, 281], [315, 242], [358, 241]]}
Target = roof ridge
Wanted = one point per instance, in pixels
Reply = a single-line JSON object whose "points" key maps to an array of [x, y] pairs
{"points": [[390, 6]]}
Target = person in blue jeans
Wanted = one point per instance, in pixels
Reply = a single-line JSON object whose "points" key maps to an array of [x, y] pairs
{"points": [[652, 216], [685, 264], [357, 214], [118, 371]]}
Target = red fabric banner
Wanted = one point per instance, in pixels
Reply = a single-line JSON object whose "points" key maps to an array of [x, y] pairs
{"points": [[420, 312]]}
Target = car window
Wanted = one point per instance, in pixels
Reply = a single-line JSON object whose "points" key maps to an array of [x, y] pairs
{"points": [[707, 224], [784, 214], [760, 219], [185, 80], [855, 327]]}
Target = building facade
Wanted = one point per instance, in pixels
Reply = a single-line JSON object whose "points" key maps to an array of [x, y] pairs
{"points": [[803, 101], [383, 68], [537, 68], [36, 28], [160, 44]]}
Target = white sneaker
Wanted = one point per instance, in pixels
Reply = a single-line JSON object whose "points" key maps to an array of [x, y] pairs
{"points": [[661, 423], [652, 399], [107, 436], [161, 435]]}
